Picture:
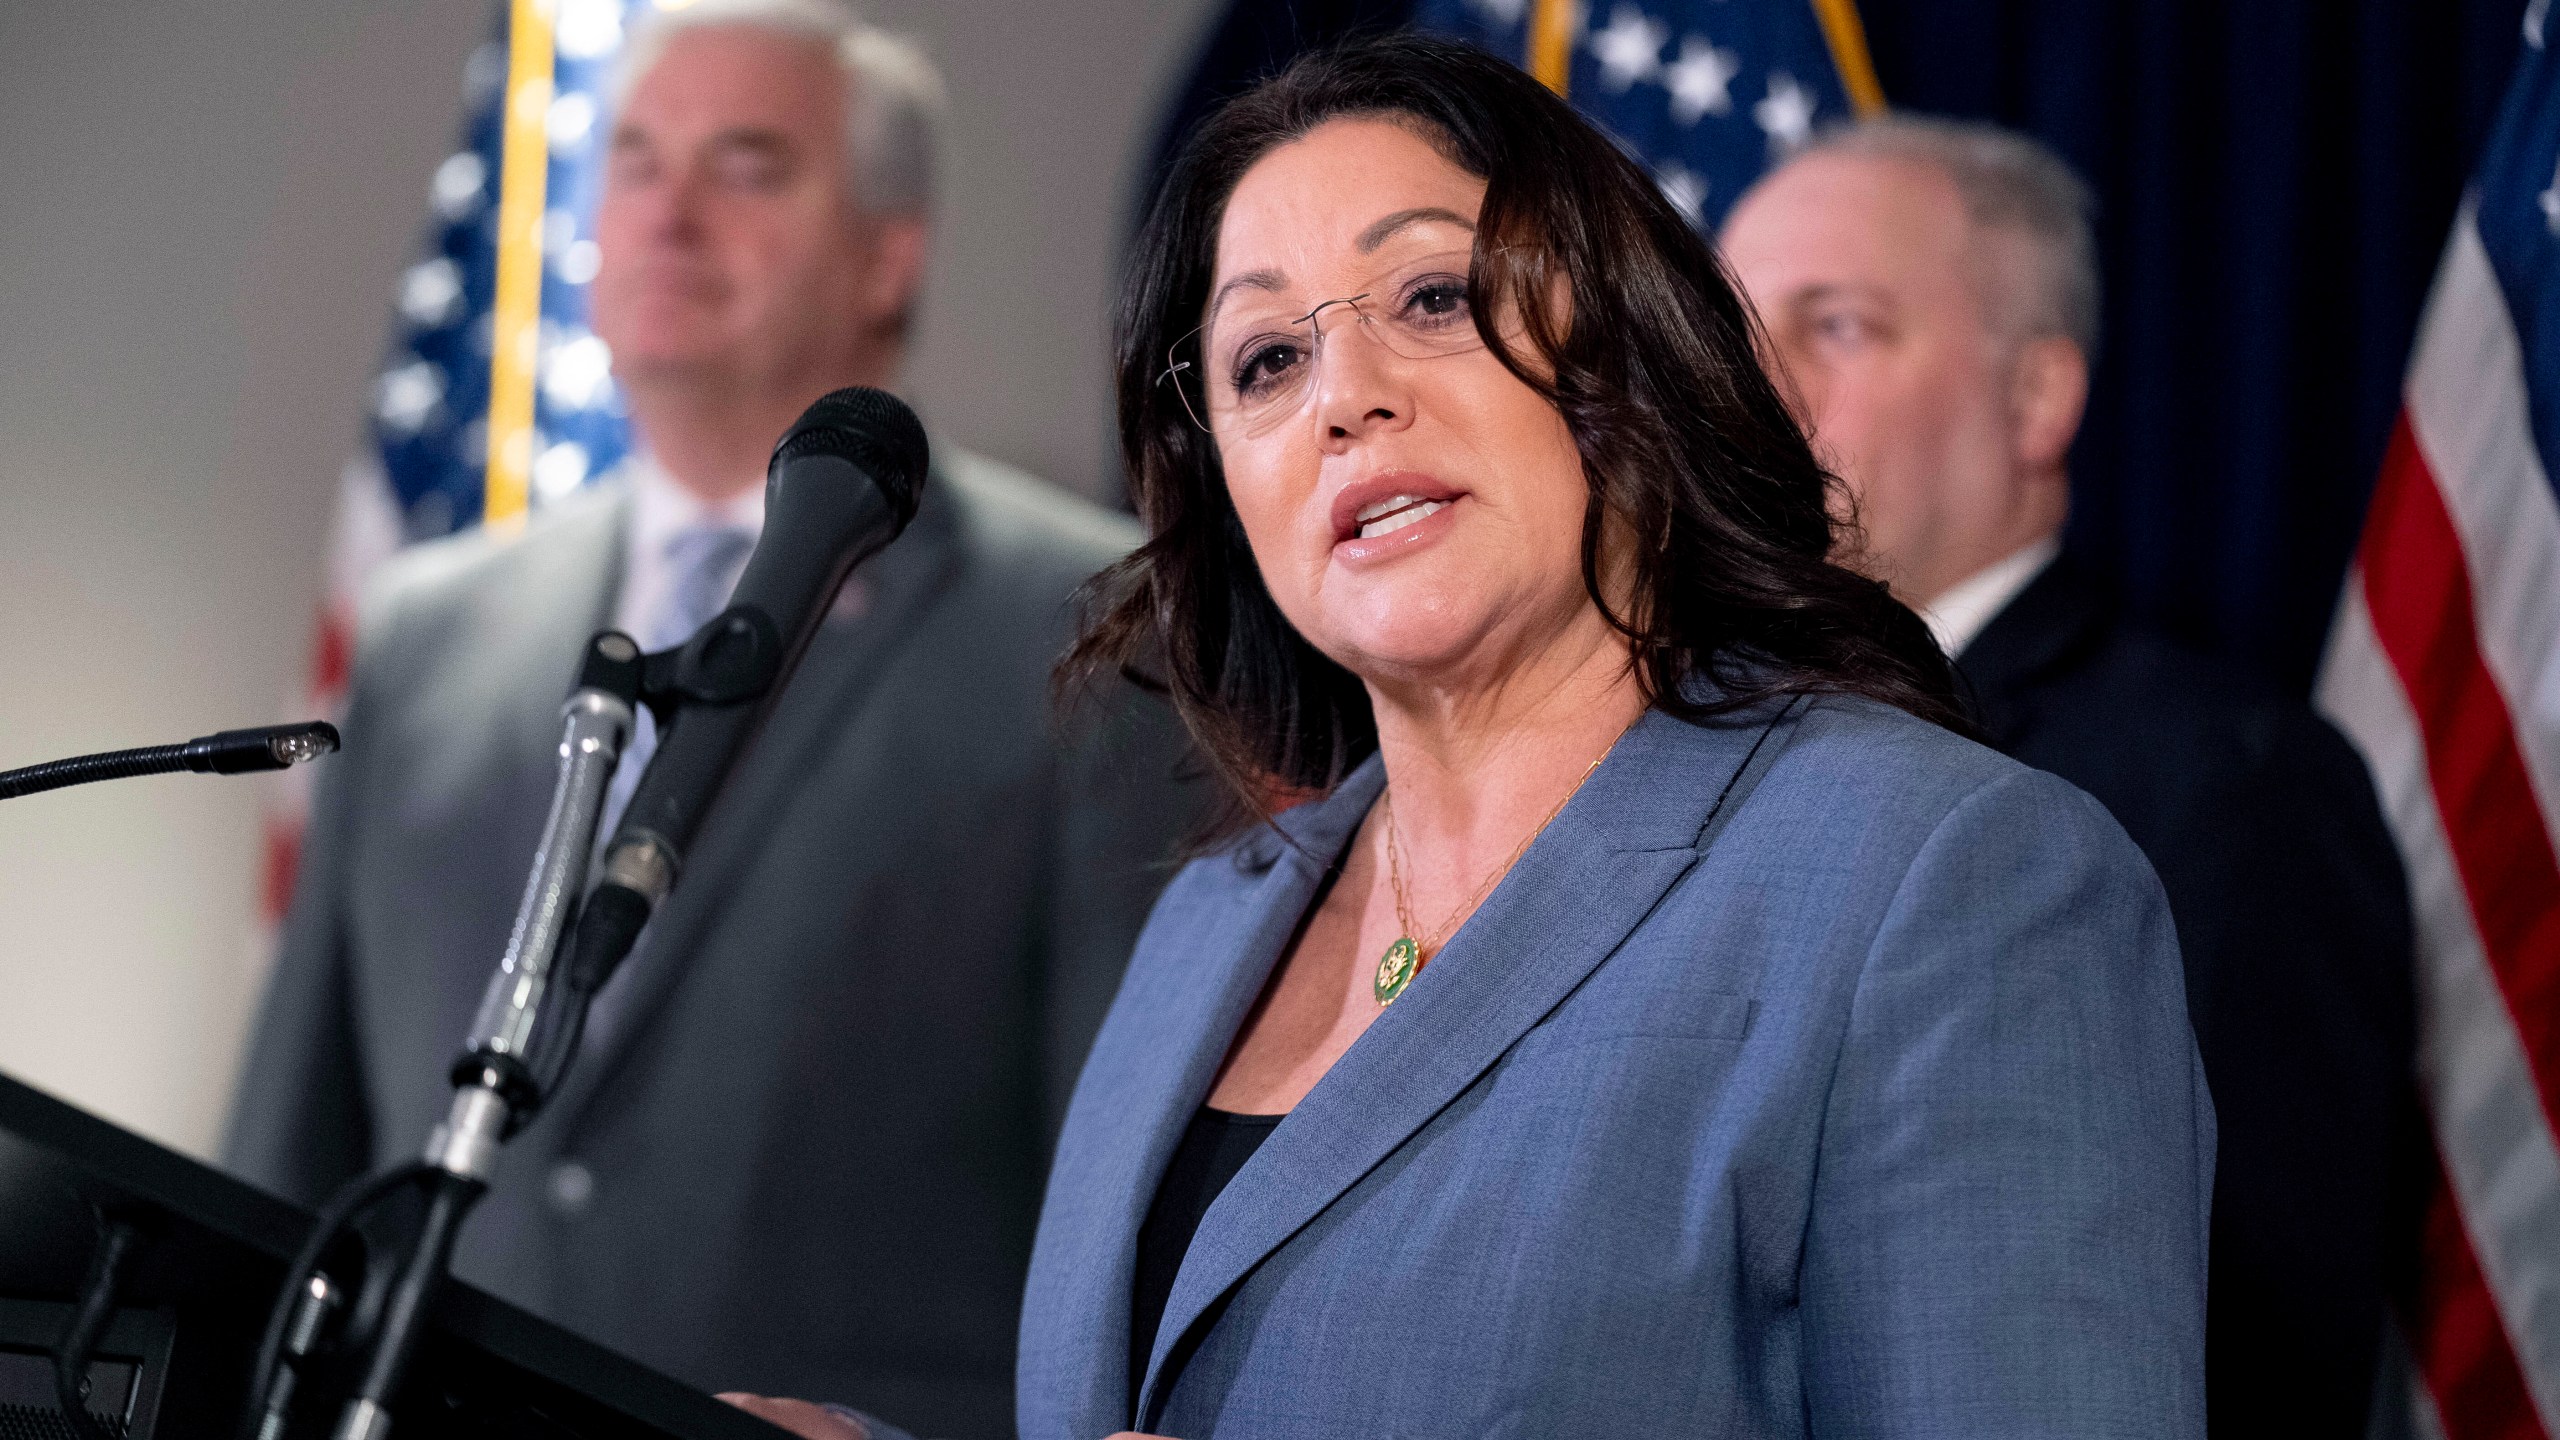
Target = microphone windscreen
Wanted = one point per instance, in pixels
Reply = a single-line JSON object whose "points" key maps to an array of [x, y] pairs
{"points": [[870, 429]]}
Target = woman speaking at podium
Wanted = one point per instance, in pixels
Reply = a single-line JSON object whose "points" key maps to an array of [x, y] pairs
{"points": [[1644, 1014]]}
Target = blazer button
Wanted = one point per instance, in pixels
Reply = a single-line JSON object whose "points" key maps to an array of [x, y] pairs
{"points": [[572, 1187]]}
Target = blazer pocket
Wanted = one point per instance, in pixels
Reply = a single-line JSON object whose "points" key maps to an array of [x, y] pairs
{"points": [[1644, 1012]]}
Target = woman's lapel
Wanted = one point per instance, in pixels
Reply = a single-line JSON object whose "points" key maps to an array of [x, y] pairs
{"points": [[1189, 990], [1600, 868]]}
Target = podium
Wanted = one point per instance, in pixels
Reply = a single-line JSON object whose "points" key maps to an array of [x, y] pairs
{"points": [[174, 1361]]}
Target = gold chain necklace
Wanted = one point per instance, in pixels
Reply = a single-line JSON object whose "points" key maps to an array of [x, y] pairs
{"points": [[1414, 948]]}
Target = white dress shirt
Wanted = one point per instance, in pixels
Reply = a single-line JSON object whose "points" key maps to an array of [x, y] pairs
{"points": [[661, 508], [1958, 615]]}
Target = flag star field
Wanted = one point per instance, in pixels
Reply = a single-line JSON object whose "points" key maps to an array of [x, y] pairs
{"points": [[1706, 93]]}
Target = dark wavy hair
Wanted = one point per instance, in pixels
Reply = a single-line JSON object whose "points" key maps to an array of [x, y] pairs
{"points": [[1683, 437]]}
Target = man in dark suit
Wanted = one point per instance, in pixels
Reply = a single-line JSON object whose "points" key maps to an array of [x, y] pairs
{"points": [[1931, 289], [803, 1148]]}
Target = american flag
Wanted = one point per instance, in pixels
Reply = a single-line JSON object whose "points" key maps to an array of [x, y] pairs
{"points": [[1707, 93], [2444, 668], [490, 356]]}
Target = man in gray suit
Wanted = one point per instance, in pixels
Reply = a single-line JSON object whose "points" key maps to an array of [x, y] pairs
{"points": [[803, 1148]]}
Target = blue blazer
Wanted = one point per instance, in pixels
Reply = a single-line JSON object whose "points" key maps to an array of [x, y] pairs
{"points": [[1879, 1116]]}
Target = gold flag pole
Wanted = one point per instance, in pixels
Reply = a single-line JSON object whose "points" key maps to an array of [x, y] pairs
{"points": [[1551, 27], [516, 314], [1848, 40]]}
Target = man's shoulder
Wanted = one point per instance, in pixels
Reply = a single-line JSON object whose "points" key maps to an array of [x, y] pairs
{"points": [[441, 588], [2142, 685], [1015, 518], [2159, 730], [467, 563]]}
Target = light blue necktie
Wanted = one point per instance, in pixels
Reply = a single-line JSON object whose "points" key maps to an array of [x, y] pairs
{"points": [[704, 561]]}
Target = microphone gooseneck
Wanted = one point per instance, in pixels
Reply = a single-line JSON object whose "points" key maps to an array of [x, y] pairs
{"points": [[229, 752]]}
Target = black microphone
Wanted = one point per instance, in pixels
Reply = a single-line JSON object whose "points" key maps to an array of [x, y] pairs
{"points": [[843, 483]]}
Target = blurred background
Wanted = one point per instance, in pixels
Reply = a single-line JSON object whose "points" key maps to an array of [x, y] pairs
{"points": [[246, 250], [210, 206]]}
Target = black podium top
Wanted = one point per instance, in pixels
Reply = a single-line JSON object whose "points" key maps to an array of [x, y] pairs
{"points": [[175, 1363]]}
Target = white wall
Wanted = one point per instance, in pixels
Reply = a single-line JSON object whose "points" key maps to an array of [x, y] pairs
{"points": [[203, 207]]}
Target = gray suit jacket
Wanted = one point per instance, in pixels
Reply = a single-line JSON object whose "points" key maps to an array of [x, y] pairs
{"points": [[807, 1157], [1878, 1116]]}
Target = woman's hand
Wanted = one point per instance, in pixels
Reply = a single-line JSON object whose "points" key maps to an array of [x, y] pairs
{"points": [[812, 1422]]}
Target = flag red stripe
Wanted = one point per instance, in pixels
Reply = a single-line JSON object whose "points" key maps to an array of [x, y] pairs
{"points": [[332, 653], [2460, 1343], [280, 857], [2418, 590]]}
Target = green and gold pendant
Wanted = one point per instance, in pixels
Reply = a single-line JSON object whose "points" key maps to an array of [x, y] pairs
{"points": [[1396, 970]]}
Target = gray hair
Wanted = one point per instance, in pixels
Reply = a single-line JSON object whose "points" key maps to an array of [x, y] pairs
{"points": [[894, 98], [2012, 185]]}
